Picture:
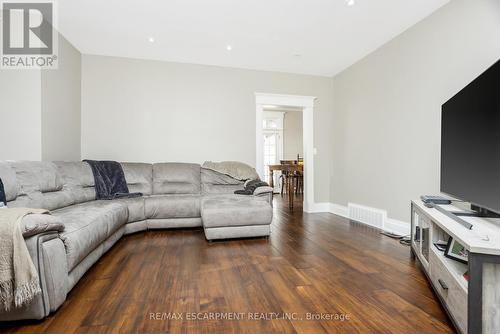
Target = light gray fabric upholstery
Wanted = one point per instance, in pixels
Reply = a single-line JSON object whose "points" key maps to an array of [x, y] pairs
{"points": [[76, 173], [236, 169], [136, 209], [234, 232], [49, 201], [213, 177], [214, 189], [139, 177], [37, 176], [87, 225], [54, 259], [78, 178], [172, 206], [136, 227], [262, 190], [9, 180], [77, 272], [176, 178], [154, 224], [40, 186], [224, 211], [38, 223], [213, 182]]}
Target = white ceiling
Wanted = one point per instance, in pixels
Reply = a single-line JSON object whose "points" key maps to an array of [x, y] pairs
{"points": [[319, 37]]}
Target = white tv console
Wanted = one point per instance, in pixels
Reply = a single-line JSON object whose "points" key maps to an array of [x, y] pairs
{"points": [[473, 305]]}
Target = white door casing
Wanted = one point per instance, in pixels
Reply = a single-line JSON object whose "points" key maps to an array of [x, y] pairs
{"points": [[307, 105]]}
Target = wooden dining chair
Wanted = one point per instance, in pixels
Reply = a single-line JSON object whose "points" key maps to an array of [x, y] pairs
{"points": [[283, 177]]}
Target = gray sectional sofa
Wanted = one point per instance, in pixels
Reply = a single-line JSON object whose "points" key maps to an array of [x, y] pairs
{"points": [[65, 244]]}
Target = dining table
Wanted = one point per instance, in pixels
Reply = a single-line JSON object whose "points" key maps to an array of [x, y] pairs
{"points": [[288, 171]]}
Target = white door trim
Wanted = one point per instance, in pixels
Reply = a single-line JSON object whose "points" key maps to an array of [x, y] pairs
{"points": [[307, 105]]}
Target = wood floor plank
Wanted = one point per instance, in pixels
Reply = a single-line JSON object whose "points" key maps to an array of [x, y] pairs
{"points": [[313, 265]]}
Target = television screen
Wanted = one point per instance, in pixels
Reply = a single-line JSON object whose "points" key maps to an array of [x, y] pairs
{"points": [[470, 142]]}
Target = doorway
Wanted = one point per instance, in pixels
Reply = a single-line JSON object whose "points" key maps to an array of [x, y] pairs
{"points": [[271, 138], [283, 144]]}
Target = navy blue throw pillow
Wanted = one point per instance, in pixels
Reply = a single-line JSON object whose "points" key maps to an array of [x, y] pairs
{"points": [[2, 193]]}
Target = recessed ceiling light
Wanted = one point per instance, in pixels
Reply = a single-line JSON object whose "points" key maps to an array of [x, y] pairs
{"points": [[350, 2], [229, 48], [151, 40]]}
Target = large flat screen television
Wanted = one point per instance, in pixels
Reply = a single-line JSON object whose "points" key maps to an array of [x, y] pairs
{"points": [[470, 142]]}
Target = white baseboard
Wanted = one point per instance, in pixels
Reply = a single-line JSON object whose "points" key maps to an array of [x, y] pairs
{"points": [[339, 210], [317, 207], [391, 225], [397, 226]]}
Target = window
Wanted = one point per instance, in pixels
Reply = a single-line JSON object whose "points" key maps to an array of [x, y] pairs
{"points": [[273, 142]]}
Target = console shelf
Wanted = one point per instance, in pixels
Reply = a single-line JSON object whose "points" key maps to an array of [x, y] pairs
{"points": [[463, 299]]}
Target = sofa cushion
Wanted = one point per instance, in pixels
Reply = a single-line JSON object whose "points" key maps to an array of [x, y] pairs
{"points": [[40, 186], [176, 178], [172, 206], [76, 173], [39, 176], [235, 210], [135, 207], [139, 177], [78, 179], [87, 225]]}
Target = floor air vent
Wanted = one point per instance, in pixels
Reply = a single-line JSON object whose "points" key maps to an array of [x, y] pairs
{"points": [[367, 215]]}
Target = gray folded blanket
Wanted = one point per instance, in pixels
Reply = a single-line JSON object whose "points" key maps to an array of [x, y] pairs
{"points": [[110, 180], [250, 187], [235, 169]]}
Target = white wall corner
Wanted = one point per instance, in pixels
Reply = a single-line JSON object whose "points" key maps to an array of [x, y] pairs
{"points": [[339, 210]]}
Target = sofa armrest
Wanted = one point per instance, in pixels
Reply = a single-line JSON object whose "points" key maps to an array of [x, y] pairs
{"points": [[266, 192], [263, 190], [40, 223], [40, 307]]}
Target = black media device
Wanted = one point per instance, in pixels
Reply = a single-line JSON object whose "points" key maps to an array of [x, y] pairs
{"points": [[470, 144], [428, 199]]}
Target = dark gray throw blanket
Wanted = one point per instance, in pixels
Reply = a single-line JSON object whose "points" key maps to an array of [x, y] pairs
{"points": [[110, 180], [3, 198], [250, 187]]}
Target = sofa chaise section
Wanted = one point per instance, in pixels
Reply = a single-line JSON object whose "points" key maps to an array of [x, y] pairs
{"points": [[236, 216]]}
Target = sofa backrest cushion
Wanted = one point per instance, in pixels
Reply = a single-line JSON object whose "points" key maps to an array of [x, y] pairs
{"points": [[139, 177], [39, 176], [176, 178], [78, 178], [40, 186], [9, 180]]}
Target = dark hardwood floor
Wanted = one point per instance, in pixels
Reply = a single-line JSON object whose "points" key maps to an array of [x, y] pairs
{"points": [[312, 263]]}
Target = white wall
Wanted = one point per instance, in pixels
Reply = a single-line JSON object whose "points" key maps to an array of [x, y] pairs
{"points": [[20, 115], [40, 110], [141, 110], [61, 106], [292, 135], [386, 145]]}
